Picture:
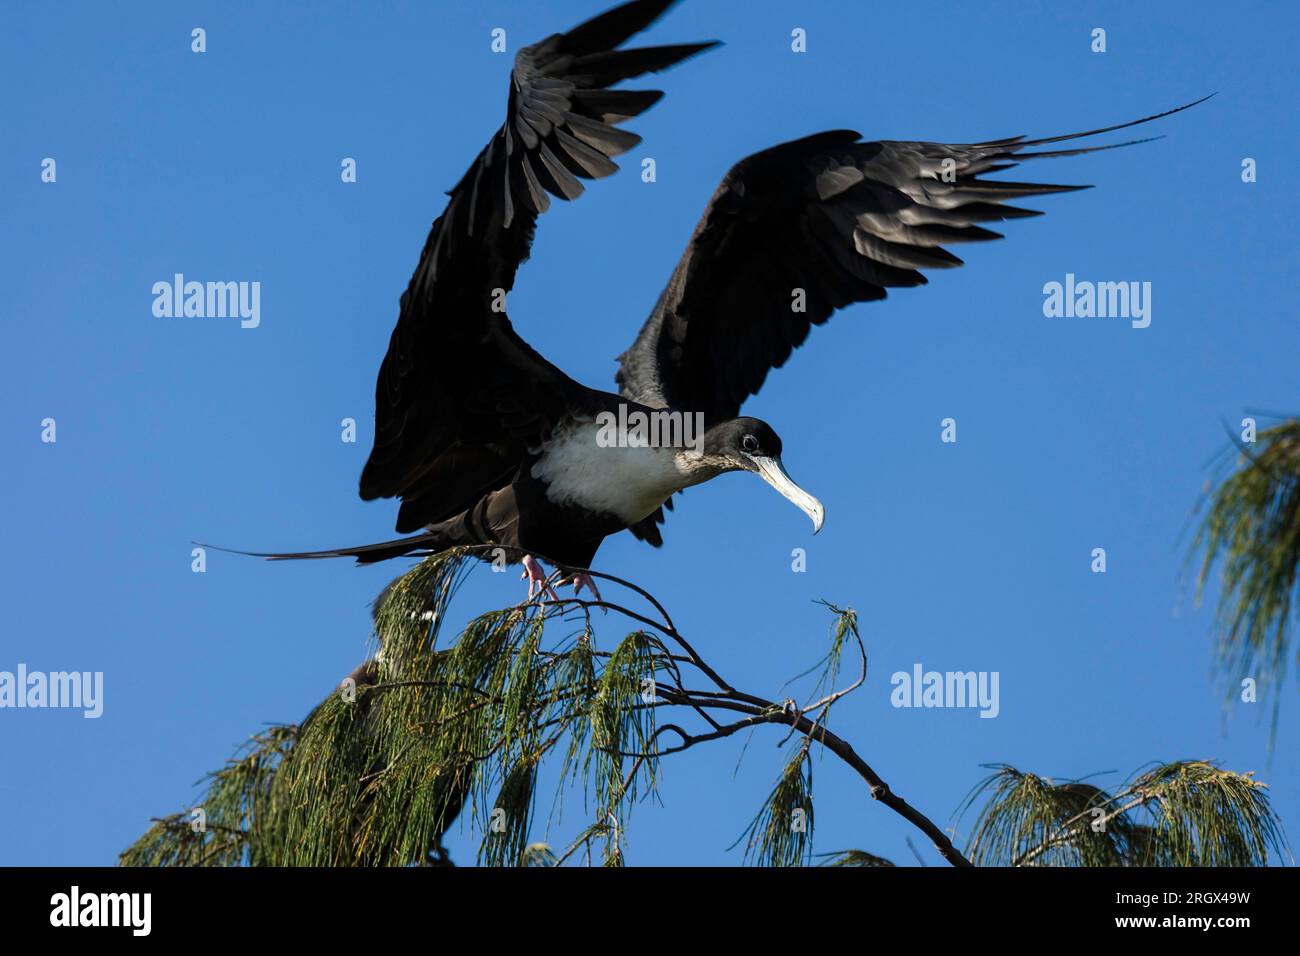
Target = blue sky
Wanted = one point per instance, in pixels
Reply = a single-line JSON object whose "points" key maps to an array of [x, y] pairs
{"points": [[1072, 433]]}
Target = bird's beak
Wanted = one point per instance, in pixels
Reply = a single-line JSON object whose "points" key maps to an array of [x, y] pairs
{"points": [[773, 472]]}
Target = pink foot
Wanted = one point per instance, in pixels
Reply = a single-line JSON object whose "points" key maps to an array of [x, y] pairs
{"points": [[581, 580], [536, 576], [584, 580]]}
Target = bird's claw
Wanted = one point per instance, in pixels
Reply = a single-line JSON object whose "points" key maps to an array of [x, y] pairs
{"points": [[582, 579], [537, 583]]}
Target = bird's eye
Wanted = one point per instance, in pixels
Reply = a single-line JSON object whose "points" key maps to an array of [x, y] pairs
{"points": [[749, 443]]}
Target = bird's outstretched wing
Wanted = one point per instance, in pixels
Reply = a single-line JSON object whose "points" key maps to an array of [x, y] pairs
{"points": [[816, 224], [459, 392]]}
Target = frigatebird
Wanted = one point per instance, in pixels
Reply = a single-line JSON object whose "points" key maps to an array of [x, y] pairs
{"points": [[486, 442]]}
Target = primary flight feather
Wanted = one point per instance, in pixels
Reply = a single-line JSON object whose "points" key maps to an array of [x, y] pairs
{"points": [[486, 442]]}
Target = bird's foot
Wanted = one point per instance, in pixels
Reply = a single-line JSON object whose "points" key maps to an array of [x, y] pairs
{"points": [[581, 579], [536, 575]]}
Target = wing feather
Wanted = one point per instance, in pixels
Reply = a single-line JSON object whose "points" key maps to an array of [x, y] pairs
{"points": [[803, 229], [460, 396]]}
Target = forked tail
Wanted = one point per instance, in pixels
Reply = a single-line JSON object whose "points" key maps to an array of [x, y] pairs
{"points": [[428, 542]]}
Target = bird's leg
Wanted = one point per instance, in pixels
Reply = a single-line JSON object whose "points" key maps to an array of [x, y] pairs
{"points": [[536, 576], [581, 579]]}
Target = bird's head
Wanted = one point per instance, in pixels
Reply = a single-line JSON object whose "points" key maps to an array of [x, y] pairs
{"points": [[750, 444]]}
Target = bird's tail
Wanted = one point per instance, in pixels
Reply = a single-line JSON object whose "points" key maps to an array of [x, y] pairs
{"points": [[428, 542]]}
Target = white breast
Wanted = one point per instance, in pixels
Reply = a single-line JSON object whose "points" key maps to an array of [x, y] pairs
{"points": [[627, 482]]}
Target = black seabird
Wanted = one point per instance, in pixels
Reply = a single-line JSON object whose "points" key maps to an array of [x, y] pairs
{"points": [[487, 443]]}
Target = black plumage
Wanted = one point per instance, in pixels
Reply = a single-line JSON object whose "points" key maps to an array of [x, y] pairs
{"points": [[487, 442]]}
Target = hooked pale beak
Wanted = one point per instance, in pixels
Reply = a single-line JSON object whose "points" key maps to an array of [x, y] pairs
{"points": [[773, 472]]}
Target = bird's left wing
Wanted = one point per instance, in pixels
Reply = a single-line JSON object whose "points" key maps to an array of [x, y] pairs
{"points": [[458, 388], [797, 231]]}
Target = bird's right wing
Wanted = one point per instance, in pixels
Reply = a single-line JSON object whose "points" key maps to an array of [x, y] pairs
{"points": [[459, 390], [800, 230]]}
